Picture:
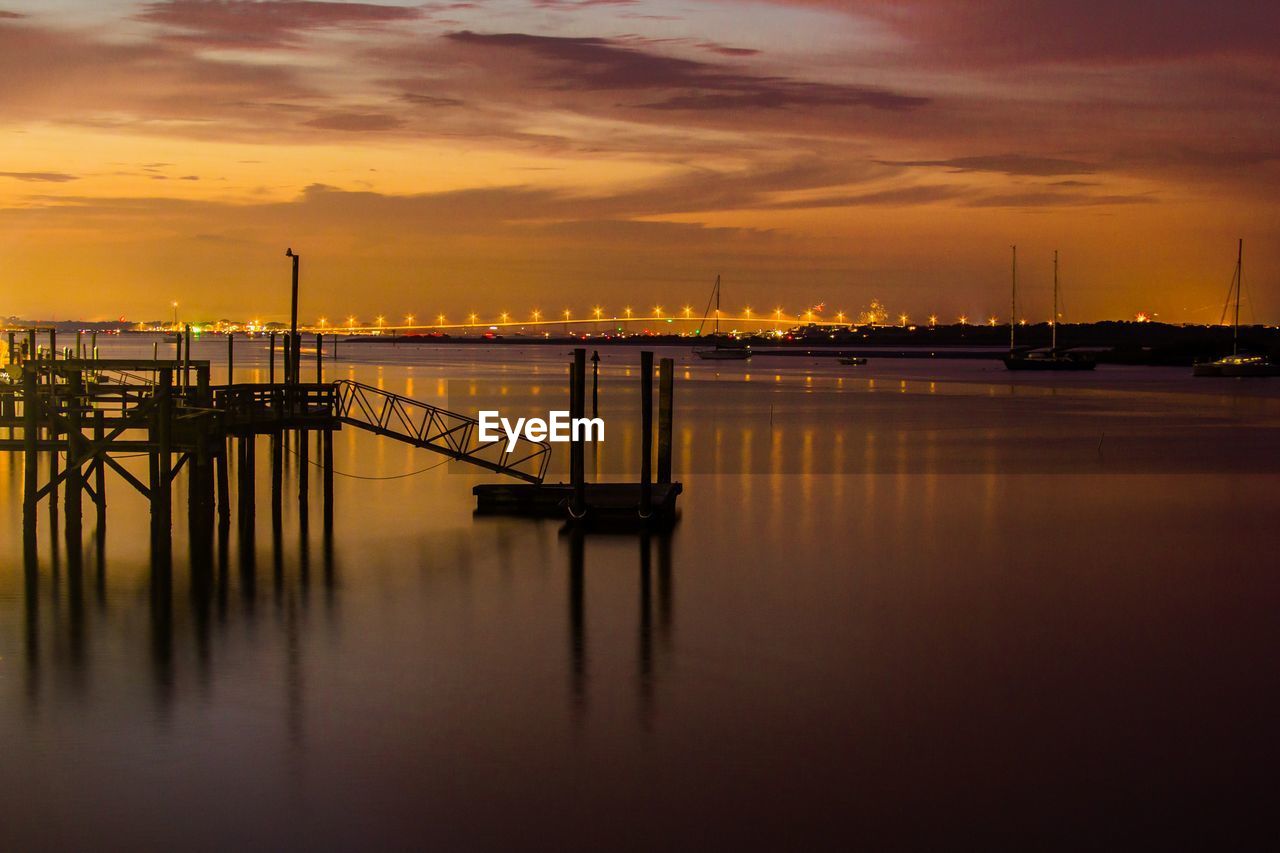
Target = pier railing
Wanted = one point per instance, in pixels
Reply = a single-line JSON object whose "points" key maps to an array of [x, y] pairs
{"points": [[263, 407], [432, 428]]}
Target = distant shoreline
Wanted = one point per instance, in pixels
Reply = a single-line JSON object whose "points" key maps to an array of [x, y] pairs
{"points": [[1111, 342], [1114, 342]]}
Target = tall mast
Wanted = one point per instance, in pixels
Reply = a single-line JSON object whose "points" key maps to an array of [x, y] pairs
{"points": [[1054, 322], [1013, 301], [717, 304], [1235, 335]]}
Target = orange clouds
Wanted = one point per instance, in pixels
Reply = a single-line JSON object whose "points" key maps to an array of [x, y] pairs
{"points": [[859, 148]]}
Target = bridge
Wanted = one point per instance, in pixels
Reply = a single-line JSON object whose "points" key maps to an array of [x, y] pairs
{"points": [[438, 430]]}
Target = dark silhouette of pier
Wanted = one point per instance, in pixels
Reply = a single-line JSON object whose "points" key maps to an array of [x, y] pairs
{"points": [[82, 414]]}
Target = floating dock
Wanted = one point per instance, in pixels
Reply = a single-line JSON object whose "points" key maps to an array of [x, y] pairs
{"points": [[611, 504]]}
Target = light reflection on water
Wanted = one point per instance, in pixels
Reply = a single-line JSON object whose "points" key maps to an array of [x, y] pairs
{"points": [[945, 645]]}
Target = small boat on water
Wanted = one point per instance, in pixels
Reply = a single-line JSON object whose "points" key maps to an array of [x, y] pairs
{"points": [[1050, 360], [1042, 359], [723, 349], [852, 359], [730, 350], [1236, 365]]}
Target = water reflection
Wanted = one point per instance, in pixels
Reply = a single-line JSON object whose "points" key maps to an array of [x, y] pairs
{"points": [[59, 623], [646, 654]]}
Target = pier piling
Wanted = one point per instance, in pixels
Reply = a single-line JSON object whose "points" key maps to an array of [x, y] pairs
{"points": [[666, 369], [646, 433], [578, 454]]}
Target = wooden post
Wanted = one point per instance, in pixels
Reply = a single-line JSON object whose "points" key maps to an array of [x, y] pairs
{"points": [[595, 383], [224, 489], [296, 362], [93, 345], [9, 354], [75, 474], [277, 476], [100, 465], [271, 360], [293, 375], [666, 368], [200, 473], [231, 358], [577, 452], [30, 441], [161, 496], [646, 433], [246, 488], [326, 455], [186, 360], [319, 359], [51, 434], [288, 354], [304, 477]]}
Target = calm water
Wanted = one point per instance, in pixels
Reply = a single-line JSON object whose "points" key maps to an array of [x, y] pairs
{"points": [[946, 605]]}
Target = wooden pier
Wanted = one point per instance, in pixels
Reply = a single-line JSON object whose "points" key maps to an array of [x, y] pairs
{"points": [[80, 415]]}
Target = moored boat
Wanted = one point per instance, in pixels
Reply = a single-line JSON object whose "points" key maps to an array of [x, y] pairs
{"points": [[1043, 359], [723, 349], [1243, 366], [1050, 360], [1236, 365]]}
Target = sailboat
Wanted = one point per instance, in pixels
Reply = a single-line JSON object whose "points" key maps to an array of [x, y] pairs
{"points": [[1052, 358], [1236, 364], [729, 349]]}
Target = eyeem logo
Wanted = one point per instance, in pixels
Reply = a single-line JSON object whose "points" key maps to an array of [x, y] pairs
{"points": [[558, 427]]}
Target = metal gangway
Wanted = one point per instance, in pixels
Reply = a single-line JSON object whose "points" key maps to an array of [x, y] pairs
{"points": [[439, 430]]}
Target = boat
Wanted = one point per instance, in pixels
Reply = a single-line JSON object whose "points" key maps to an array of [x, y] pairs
{"points": [[723, 349], [1042, 359], [1050, 360], [721, 352], [1236, 365], [852, 359]]}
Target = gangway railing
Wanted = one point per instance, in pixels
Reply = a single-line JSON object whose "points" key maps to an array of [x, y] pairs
{"points": [[439, 430]]}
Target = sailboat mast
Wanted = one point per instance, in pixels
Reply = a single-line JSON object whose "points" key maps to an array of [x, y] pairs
{"points": [[1013, 301], [1235, 334], [717, 304], [1054, 323]]}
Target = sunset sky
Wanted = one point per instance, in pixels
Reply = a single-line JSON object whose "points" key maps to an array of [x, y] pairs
{"points": [[518, 154]]}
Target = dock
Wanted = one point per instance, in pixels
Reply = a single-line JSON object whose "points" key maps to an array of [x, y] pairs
{"points": [[649, 503], [609, 504], [72, 416]]}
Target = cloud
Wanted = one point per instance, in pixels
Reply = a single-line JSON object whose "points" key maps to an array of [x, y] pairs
{"points": [[430, 100], [1086, 32], [1058, 199], [356, 122], [600, 64], [263, 23], [69, 77], [727, 50], [1009, 164], [40, 177], [913, 195]]}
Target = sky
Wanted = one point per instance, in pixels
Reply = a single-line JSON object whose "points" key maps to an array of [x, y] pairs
{"points": [[512, 155]]}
